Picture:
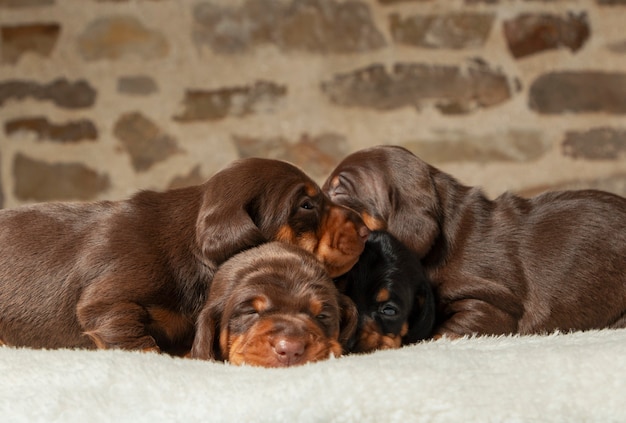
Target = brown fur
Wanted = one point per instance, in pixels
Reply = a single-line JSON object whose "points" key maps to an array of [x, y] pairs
{"points": [[510, 265], [273, 306], [134, 274]]}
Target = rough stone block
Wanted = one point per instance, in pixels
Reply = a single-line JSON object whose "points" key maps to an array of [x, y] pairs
{"points": [[194, 177], [515, 145], [40, 181], [530, 33], [25, 3], [73, 131], [317, 155], [317, 26], [146, 143], [114, 37], [70, 95], [455, 30], [137, 85], [596, 144], [17, 40], [232, 101], [579, 92], [451, 89]]}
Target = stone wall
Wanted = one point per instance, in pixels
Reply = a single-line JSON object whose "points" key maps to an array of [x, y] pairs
{"points": [[99, 98]]}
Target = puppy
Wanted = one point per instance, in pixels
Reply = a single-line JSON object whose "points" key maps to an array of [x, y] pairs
{"points": [[273, 306], [392, 294], [510, 265], [134, 274]]}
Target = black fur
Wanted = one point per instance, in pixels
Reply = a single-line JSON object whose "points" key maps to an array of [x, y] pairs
{"points": [[387, 264]]}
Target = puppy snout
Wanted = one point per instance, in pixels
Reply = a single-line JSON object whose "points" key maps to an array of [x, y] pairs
{"points": [[289, 350]]}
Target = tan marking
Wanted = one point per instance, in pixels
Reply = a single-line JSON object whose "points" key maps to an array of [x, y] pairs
{"points": [[340, 244], [383, 295], [226, 343], [372, 339], [315, 306], [405, 329], [260, 303], [307, 241], [234, 354], [311, 190], [286, 234], [373, 223]]}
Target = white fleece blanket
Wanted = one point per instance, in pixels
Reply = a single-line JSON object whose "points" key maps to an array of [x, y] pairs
{"points": [[579, 377]]}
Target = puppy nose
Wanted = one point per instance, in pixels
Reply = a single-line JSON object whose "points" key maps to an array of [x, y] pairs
{"points": [[289, 351]]}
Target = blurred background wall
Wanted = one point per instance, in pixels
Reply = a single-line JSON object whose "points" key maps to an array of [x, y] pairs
{"points": [[100, 98]]}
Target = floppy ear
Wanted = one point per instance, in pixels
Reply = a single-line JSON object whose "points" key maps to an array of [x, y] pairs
{"points": [[422, 317], [206, 344], [225, 228], [415, 216], [349, 320]]}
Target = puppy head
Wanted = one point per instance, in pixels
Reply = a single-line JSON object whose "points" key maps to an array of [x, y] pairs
{"points": [[392, 190], [273, 306], [394, 299], [258, 200]]}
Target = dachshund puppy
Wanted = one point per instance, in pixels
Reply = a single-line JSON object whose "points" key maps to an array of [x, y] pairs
{"points": [[392, 294], [510, 265], [273, 306], [134, 274]]}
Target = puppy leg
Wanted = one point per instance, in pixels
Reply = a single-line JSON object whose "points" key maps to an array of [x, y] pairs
{"points": [[121, 325], [475, 317]]}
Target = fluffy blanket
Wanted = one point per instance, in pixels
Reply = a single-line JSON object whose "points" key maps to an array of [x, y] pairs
{"points": [[558, 378]]}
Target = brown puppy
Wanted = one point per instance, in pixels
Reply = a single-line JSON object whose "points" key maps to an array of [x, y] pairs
{"points": [[134, 274], [511, 265], [273, 306]]}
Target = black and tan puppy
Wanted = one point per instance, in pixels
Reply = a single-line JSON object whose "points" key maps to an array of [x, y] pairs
{"points": [[273, 306], [392, 294], [134, 274], [509, 265]]}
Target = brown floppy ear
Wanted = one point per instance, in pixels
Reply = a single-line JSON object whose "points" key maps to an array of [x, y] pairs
{"points": [[225, 228], [349, 320], [415, 215], [206, 344]]}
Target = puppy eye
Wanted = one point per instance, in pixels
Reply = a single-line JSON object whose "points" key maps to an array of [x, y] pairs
{"points": [[322, 316], [247, 311], [307, 205], [388, 310]]}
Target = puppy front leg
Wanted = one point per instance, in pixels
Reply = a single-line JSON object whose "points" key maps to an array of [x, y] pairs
{"points": [[475, 317], [121, 325]]}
